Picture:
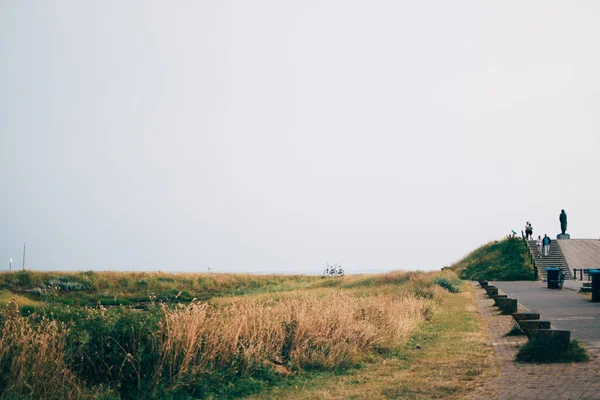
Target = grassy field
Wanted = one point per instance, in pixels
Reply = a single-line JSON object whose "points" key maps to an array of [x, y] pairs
{"points": [[142, 335], [91, 288]]}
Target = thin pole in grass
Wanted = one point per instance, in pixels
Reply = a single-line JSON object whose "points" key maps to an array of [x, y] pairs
{"points": [[10, 264], [24, 246]]}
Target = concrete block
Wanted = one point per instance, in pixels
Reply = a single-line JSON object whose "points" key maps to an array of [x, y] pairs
{"points": [[525, 315], [491, 290], [531, 326], [508, 306], [558, 340], [499, 296]]}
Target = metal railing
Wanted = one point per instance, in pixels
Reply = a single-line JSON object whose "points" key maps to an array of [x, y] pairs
{"points": [[531, 257], [582, 271]]}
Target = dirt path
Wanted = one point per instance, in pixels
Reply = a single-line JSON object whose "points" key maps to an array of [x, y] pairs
{"points": [[531, 381]]}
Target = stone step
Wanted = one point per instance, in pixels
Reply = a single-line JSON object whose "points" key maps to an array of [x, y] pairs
{"points": [[555, 258]]}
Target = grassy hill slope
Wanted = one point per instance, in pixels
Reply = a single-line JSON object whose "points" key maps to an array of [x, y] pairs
{"points": [[505, 260]]}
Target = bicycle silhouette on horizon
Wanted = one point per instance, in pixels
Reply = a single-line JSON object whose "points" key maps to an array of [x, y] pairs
{"points": [[333, 270]]}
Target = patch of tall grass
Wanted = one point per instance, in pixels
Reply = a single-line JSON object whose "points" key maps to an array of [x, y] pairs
{"points": [[305, 332], [32, 358]]}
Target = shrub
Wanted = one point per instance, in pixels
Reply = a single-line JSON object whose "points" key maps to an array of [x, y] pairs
{"points": [[546, 352], [451, 285], [113, 348], [65, 284]]}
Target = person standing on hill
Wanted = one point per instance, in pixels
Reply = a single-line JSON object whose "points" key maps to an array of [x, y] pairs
{"points": [[546, 242], [528, 231], [539, 245]]}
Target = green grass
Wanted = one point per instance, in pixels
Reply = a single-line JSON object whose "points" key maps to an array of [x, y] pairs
{"points": [[91, 288], [505, 260]]}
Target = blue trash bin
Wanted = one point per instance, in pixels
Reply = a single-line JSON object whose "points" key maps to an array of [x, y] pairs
{"points": [[595, 274]]}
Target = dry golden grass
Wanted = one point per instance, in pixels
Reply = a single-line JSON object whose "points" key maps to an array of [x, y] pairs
{"points": [[301, 331], [446, 357], [7, 297], [36, 358]]}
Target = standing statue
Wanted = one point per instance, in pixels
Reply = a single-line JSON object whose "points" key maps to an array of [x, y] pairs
{"points": [[563, 221]]}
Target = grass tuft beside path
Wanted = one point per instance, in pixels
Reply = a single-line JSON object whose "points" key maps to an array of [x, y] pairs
{"points": [[548, 352]]}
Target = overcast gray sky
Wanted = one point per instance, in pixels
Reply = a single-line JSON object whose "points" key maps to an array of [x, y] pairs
{"points": [[276, 136]]}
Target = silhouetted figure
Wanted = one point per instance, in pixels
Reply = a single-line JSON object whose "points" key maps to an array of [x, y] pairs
{"points": [[563, 221]]}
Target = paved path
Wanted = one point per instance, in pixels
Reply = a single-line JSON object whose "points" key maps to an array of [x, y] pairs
{"points": [[531, 381], [565, 309], [573, 284]]}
